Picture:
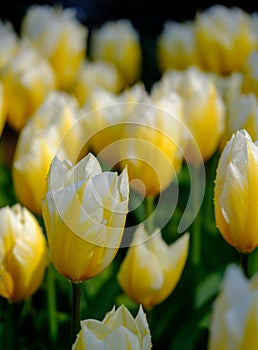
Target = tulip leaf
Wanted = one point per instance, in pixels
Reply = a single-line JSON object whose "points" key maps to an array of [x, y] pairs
{"points": [[208, 288]]}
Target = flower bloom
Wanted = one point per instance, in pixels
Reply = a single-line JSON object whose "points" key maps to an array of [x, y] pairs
{"points": [[54, 128], [59, 37], [153, 144], [118, 330], [84, 211], [27, 79], [203, 110], [250, 74], [234, 321], [224, 38], [118, 42], [176, 47], [152, 268], [95, 74], [23, 253], [236, 193]]}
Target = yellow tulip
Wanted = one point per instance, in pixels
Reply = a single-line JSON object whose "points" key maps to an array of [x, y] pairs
{"points": [[95, 74], [9, 42], [23, 253], [118, 42], [59, 37], [153, 144], [27, 79], [224, 38], [203, 110], [234, 320], [152, 268], [84, 211], [105, 115], [236, 193], [176, 47], [118, 330], [54, 128]]}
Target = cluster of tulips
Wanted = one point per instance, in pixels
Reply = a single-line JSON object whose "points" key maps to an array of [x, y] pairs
{"points": [[100, 162]]}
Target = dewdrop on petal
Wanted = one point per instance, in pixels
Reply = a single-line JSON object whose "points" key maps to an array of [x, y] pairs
{"points": [[176, 47], [59, 37]]}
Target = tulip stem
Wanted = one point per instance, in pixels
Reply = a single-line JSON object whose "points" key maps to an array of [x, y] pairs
{"points": [[196, 225], [77, 290], [51, 305], [149, 209], [244, 263]]}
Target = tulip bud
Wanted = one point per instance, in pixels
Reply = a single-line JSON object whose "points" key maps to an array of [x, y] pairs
{"points": [[234, 320], [236, 193], [118, 42], [23, 253], [118, 330], [84, 211], [224, 38], [59, 37], [152, 268]]}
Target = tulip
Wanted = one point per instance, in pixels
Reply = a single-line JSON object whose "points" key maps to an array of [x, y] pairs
{"points": [[27, 79], [236, 193], [153, 144], [203, 110], [176, 47], [152, 268], [95, 74], [234, 320], [118, 330], [224, 38], [9, 42], [23, 253], [59, 37], [118, 42], [84, 212], [109, 112]]}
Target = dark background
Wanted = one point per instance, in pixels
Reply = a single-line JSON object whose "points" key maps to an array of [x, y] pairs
{"points": [[146, 15]]}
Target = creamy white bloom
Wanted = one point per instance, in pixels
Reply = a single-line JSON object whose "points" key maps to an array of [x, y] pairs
{"points": [[118, 330], [234, 321]]}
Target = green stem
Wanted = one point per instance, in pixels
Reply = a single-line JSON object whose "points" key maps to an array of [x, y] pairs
{"points": [[196, 225], [51, 306], [77, 289], [244, 263], [149, 217], [10, 333]]}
